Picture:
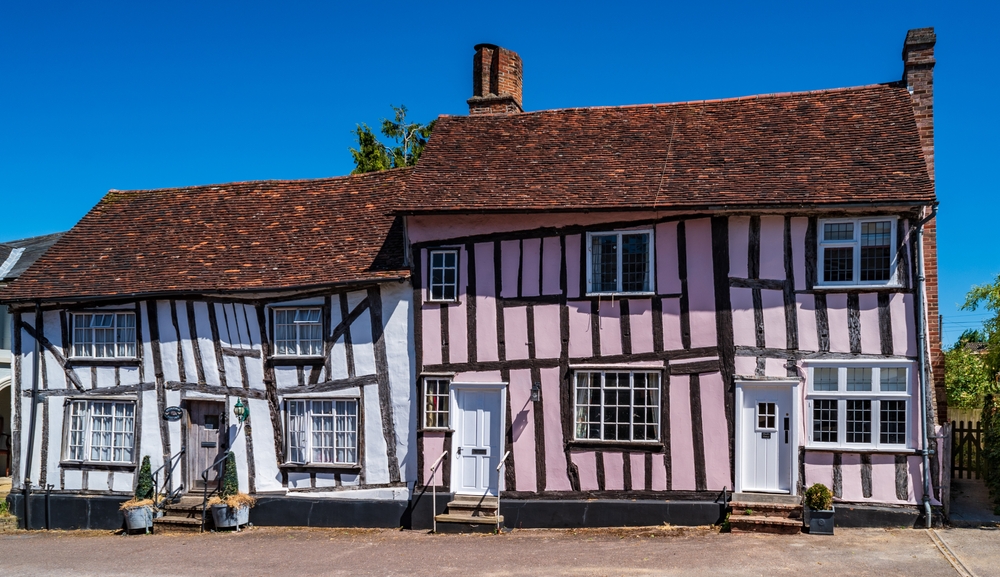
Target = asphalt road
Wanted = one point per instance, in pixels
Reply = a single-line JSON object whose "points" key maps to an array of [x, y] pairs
{"points": [[657, 551]]}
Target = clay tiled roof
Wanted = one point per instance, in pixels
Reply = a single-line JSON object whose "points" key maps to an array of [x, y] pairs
{"points": [[244, 236], [854, 145]]}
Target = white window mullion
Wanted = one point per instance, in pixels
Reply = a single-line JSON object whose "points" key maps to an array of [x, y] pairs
{"points": [[621, 270]]}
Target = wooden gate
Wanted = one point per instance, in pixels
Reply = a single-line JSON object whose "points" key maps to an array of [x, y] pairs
{"points": [[967, 450]]}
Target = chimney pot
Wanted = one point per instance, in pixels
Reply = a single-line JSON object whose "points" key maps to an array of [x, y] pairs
{"points": [[496, 81], [918, 76]]}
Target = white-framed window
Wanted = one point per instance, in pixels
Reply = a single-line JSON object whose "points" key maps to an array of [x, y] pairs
{"points": [[617, 405], [322, 431], [436, 392], [620, 262], [104, 335], [443, 284], [100, 431], [864, 406], [298, 332], [858, 251]]}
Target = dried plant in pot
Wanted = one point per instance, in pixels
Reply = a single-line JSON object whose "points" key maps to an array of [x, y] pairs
{"points": [[818, 512], [231, 508], [139, 509]]}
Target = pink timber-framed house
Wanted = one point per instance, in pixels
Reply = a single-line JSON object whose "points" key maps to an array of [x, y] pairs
{"points": [[643, 306]]}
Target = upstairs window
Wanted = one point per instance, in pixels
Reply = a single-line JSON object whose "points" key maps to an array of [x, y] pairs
{"points": [[857, 251], [298, 332], [619, 262], [101, 431], [104, 335], [443, 275]]}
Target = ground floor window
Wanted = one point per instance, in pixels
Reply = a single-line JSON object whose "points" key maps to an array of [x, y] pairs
{"points": [[859, 406], [322, 431], [617, 405], [101, 431], [436, 392]]}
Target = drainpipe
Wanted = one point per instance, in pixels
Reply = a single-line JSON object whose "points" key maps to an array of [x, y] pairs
{"points": [[36, 368], [922, 357]]}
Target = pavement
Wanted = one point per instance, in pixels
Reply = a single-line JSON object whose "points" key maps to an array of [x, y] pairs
{"points": [[971, 505], [585, 552]]}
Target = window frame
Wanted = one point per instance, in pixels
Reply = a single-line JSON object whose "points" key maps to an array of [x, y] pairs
{"points": [[307, 446], [430, 274], [650, 262], [657, 438], [446, 413], [876, 395], [114, 328], [87, 432], [855, 243], [298, 334]]}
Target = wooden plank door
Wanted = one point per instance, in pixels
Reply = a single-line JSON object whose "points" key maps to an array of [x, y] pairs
{"points": [[206, 440]]}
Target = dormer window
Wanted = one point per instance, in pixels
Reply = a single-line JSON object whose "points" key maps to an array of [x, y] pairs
{"points": [[298, 332], [620, 262], [857, 251]]}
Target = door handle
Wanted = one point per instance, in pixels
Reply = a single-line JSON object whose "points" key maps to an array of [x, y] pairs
{"points": [[459, 452], [786, 430]]}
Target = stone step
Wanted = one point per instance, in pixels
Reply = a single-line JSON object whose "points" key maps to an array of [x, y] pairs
{"points": [[480, 500], [759, 524], [788, 511], [783, 498], [448, 523], [471, 509], [171, 524]]}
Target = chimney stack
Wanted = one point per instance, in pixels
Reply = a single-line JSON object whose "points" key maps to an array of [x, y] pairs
{"points": [[918, 76], [496, 81]]}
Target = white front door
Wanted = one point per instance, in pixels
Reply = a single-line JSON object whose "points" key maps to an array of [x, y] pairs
{"points": [[767, 439], [478, 440]]}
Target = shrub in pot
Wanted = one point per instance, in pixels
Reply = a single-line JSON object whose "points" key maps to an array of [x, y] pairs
{"points": [[231, 508], [139, 509], [819, 510]]}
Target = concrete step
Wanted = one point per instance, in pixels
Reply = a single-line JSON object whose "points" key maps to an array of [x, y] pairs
{"points": [[476, 500], [782, 498], [760, 524], [448, 523], [788, 511], [171, 524]]}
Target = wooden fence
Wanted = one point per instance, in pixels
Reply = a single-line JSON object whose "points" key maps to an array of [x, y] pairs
{"points": [[967, 450]]}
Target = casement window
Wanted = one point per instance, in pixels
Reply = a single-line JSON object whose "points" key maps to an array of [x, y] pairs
{"points": [[436, 392], [322, 431], [104, 335], [617, 406], [620, 262], [298, 332], [443, 275], [100, 431], [858, 251], [859, 406]]}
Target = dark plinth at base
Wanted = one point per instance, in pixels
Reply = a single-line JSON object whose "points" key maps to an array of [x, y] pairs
{"points": [[67, 512], [303, 512], [560, 514], [849, 515]]}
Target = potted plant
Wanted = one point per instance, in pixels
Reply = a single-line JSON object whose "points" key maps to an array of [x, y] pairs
{"points": [[231, 508], [139, 509], [819, 510]]}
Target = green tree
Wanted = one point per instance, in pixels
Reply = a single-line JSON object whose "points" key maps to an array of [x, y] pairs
{"points": [[965, 377], [988, 297], [408, 142], [230, 482], [144, 485]]}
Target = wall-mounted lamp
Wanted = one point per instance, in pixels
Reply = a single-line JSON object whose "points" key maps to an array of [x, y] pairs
{"points": [[240, 410], [536, 392]]}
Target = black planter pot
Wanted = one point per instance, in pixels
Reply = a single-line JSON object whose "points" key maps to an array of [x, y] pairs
{"points": [[819, 522]]}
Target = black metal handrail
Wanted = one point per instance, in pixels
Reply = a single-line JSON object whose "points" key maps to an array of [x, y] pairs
{"points": [[204, 479], [168, 476]]}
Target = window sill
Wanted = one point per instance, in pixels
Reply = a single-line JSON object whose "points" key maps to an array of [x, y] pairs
{"points": [[863, 449], [303, 361], [622, 295], [853, 287], [102, 362], [435, 430], [442, 302], [647, 446], [97, 466], [319, 468]]}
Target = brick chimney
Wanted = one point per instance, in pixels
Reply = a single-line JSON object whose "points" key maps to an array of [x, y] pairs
{"points": [[918, 75], [496, 81]]}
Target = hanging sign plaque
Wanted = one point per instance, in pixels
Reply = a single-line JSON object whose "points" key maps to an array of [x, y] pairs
{"points": [[172, 414]]}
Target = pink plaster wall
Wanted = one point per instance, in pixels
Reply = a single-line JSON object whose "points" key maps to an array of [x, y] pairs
{"points": [[739, 251], [515, 326], [641, 325], [573, 246], [715, 431], [614, 472], [478, 377], [531, 260], [744, 333], [510, 262], [805, 306], [432, 449], [611, 333], [774, 319], [701, 282], [668, 281], [432, 334], [871, 341], [799, 226], [458, 320], [775, 368], [486, 311], [672, 325], [904, 339], [638, 464], [914, 465], [556, 477], [580, 344], [746, 366], [548, 342], [551, 265], [836, 314], [586, 465], [850, 473], [884, 479], [772, 247], [523, 429], [681, 440], [819, 469], [659, 480]]}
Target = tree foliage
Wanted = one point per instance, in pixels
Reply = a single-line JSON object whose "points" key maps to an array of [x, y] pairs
{"points": [[966, 377], [408, 140], [144, 485], [988, 297], [230, 482], [991, 449]]}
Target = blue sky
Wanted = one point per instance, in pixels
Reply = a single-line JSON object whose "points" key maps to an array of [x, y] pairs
{"points": [[132, 95]]}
